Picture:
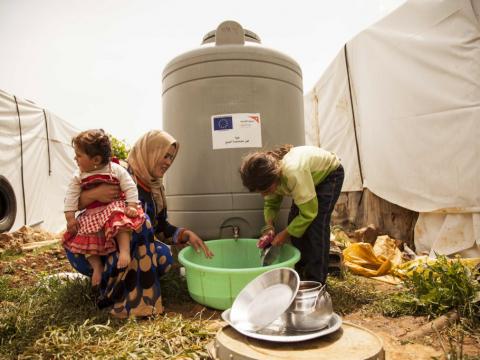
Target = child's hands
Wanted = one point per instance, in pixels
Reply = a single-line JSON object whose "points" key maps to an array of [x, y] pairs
{"points": [[280, 238], [131, 211], [72, 226], [266, 239]]}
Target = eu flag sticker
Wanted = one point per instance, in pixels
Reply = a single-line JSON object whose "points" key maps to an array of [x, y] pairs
{"points": [[222, 123]]}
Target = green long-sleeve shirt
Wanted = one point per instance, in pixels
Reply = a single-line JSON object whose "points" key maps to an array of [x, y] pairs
{"points": [[302, 168]]}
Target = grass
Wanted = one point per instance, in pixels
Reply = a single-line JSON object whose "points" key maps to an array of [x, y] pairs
{"points": [[433, 290], [174, 288], [160, 337], [452, 344], [350, 293], [27, 312], [58, 319], [11, 254], [436, 289], [7, 292]]}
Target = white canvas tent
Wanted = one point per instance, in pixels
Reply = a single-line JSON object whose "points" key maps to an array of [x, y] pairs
{"points": [[36, 161], [400, 104]]}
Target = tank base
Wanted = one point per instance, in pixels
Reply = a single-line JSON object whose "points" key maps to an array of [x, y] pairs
{"points": [[351, 342]]}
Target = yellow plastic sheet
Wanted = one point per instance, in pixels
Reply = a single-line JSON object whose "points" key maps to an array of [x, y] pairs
{"points": [[385, 246], [386, 259], [360, 259]]}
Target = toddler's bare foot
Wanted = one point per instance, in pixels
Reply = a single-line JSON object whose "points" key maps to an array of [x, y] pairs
{"points": [[123, 260]]}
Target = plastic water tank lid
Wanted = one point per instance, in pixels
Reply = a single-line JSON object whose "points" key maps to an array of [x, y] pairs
{"points": [[230, 33]]}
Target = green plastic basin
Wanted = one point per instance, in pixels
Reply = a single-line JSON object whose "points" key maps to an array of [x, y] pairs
{"points": [[217, 281]]}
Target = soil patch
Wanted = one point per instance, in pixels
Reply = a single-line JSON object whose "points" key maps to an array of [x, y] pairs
{"points": [[25, 235], [27, 269]]}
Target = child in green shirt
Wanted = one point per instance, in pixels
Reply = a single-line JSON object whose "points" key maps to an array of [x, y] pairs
{"points": [[313, 177]]}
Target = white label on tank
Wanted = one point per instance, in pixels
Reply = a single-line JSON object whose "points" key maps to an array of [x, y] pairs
{"points": [[236, 131]]}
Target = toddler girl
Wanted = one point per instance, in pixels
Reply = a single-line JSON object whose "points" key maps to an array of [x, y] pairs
{"points": [[94, 230]]}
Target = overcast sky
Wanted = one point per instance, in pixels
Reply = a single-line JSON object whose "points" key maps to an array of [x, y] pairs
{"points": [[99, 63]]}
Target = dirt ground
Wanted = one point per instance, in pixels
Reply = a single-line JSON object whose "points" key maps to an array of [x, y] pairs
{"points": [[389, 330], [26, 268], [24, 237]]}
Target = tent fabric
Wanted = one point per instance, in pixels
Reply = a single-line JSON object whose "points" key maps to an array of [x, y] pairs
{"points": [[329, 121], [47, 165], [400, 105], [415, 84], [448, 234]]}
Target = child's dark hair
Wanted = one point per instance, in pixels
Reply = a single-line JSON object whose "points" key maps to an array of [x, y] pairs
{"points": [[94, 142], [261, 169]]}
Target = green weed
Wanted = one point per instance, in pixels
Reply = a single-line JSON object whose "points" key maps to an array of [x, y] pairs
{"points": [[436, 289]]}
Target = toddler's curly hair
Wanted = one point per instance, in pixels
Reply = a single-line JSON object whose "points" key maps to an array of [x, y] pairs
{"points": [[94, 142]]}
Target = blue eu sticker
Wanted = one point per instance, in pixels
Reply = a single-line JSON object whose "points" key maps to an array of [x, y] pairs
{"points": [[222, 123]]}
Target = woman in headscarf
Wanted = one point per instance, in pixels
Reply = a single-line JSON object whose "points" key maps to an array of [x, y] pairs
{"points": [[135, 290]]}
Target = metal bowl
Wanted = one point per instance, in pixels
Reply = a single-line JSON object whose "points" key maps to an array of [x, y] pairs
{"points": [[264, 299]]}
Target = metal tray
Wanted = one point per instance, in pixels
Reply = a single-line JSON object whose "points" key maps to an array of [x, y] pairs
{"points": [[264, 299], [277, 331]]}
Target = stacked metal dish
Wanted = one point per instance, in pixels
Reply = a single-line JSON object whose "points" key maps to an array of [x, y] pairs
{"points": [[277, 306]]}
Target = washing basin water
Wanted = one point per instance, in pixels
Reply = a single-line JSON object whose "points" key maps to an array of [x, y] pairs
{"points": [[217, 281]]}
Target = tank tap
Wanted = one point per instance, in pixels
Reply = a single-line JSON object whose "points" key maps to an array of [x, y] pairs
{"points": [[236, 232], [235, 229]]}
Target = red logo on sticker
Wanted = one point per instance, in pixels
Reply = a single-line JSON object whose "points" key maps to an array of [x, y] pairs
{"points": [[255, 118]]}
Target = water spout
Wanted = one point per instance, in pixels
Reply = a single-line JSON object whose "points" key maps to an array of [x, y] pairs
{"points": [[235, 229]]}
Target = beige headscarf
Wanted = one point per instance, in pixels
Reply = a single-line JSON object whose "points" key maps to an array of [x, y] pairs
{"points": [[145, 153]]}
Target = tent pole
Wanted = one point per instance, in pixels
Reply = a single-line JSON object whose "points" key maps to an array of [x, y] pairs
{"points": [[21, 162], [48, 144], [353, 112], [353, 116]]}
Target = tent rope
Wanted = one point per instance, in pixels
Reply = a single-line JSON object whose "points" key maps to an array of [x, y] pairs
{"points": [[21, 162], [353, 113], [48, 144]]}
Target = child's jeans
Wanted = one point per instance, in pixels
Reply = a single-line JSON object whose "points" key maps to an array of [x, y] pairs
{"points": [[314, 245]]}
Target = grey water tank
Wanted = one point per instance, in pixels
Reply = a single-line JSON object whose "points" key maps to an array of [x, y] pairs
{"points": [[221, 102]]}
